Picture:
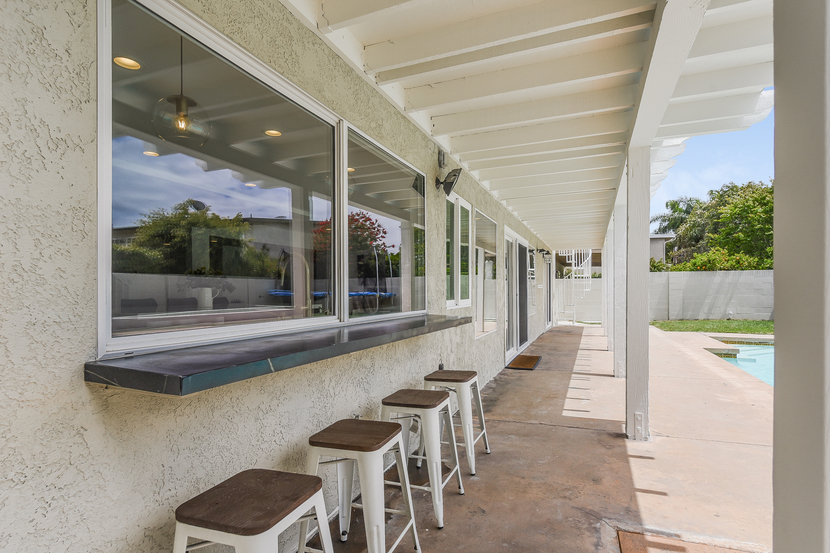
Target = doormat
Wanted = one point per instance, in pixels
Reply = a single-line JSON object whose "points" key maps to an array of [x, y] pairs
{"points": [[631, 542], [524, 362]]}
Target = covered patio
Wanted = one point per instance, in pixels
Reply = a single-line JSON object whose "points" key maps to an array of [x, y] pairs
{"points": [[563, 477]]}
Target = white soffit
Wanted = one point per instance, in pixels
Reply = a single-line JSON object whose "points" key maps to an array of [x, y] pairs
{"points": [[537, 99]]}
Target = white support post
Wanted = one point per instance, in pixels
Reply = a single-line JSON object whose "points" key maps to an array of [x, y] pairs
{"points": [[604, 291], [608, 278], [801, 442], [636, 348], [620, 282]]}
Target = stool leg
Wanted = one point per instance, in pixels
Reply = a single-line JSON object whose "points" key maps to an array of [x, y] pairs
{"points": [[465, 406], [345, 489], [432, 439], [310, 468], [407, 494], [453, 447], [322, 523], [180, 541], [482, 426], [370, 470]]}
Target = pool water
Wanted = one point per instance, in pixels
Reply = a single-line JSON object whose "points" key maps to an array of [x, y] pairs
{"points": [[759, 361]]}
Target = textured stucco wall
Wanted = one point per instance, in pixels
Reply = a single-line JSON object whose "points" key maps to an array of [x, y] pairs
{"points": [[711, 295], [92, 469]]}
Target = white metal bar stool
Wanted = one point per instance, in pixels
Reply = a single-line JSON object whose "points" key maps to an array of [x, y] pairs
{"points": [[363, 442], [428, 407], [465, 385], [250, 510]]}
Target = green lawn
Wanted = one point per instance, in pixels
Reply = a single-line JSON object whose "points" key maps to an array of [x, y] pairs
{"points": [[738, 326]]}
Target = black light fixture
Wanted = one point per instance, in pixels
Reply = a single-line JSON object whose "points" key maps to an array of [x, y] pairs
{"points": [[448, 182], [546, 255], [176, 120]]}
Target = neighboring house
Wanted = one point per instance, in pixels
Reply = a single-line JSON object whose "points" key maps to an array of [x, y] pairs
{"points": [[657, 246]]}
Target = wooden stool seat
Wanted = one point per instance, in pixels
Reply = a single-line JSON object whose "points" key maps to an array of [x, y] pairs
{"points": [[417, 399], [250, 502], [451, 376], [356, 435]]}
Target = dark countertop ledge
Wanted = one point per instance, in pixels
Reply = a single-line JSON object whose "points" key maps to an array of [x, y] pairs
{"points": [[189, 370]]}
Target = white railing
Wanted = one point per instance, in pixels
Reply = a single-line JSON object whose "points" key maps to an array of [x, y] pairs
{"points": [[574, 284]]}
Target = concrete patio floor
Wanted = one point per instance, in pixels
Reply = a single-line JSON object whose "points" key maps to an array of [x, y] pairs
{"points": [[562, 477]]}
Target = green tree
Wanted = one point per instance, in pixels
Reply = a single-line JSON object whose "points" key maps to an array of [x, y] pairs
{"points": [[678, 212], [745, 223]]}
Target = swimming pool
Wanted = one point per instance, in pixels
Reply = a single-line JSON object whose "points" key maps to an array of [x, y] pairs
{"points": [[759, 361]]}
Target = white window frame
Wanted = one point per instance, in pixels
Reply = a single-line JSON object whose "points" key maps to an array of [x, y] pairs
{"points": [[475, 248], [190, 24], [457, 302]]}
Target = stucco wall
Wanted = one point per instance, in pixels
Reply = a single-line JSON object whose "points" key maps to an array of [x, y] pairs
{"points": [[711, 295], [93, 469]]}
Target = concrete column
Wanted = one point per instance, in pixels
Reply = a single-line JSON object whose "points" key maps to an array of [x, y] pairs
{"points": [[620, 284], [801, 443], [407, 257], [637, 250], [300, 253], [604, 295]]}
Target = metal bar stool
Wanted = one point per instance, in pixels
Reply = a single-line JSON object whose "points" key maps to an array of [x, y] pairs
{"points": [[363, 442], [250, 510], [428, 407], [465, 385]]}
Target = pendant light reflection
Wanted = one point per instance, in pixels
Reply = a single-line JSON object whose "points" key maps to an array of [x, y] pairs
{"points": [[178, 118]]}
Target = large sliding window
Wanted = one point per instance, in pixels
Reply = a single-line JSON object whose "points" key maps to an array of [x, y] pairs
{"points": [[228, 202], [386, 237]]}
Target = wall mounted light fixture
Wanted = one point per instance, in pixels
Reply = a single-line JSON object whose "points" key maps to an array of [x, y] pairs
{"points": [[449, 181]]}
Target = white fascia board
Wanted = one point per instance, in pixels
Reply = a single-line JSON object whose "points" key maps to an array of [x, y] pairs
{"points": [[587, 67], [718, 108], [546, 132], [588, 175], [543, 158], [552, 167], [570, 145], [337, 14], [595, 31], [494, 29], [592, 102], [749, 78], [676, 25]]}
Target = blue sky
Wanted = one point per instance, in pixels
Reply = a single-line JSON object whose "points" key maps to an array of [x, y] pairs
{"points": [[710, 161]]}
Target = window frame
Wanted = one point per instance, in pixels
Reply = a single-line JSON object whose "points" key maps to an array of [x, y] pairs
{"points": [[458, 202], [189, 24]]}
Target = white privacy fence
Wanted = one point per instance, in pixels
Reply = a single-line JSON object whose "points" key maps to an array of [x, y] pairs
{"points": [[690, 295]]}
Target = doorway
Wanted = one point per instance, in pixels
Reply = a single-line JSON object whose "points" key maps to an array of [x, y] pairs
{"points": [[516, 291]]}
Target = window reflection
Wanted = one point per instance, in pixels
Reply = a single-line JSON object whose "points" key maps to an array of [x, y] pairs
{"points": [[386, 233], [219, 230]]}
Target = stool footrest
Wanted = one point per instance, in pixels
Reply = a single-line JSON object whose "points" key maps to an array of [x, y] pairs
{"points": [[198, 545]]}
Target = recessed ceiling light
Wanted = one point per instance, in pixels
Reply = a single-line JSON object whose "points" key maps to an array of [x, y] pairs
{"points": [[351, 169], [273, 132], [126, 63], [250, 184], [151, 153]]}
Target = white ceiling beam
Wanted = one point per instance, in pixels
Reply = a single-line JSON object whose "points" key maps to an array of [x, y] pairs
{"points": [[676, 25], [538, 195], [495, 29], [599, 196], [587, 67], [712, 127], [538, 111], [541, 158], [573, 145], [737, 80], [552, 167], [546, 132], [718, 108], [595, 31], [734, 36], [588, 175], [337, 14]]}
